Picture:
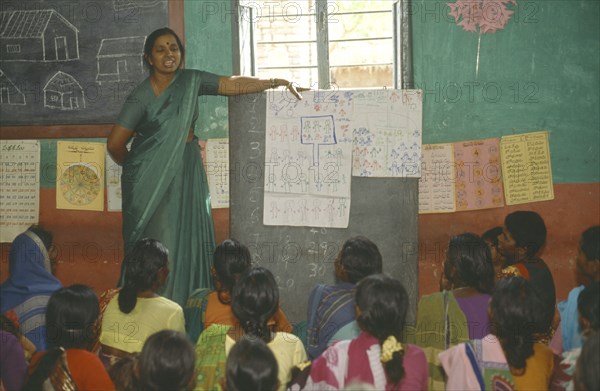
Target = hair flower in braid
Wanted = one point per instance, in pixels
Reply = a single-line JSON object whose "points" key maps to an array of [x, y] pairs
{"points": [[389, 347]]}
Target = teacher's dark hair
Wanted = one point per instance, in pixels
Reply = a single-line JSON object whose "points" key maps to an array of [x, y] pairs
{"points": [[142, 265], [383, 303], [230, 260], [254, 300], [151, 39]]}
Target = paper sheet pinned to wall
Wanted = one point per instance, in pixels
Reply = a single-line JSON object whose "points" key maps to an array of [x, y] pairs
{"points": [[438, 174], [80, 175], [19, 187], [478, 168], [217, 171], [526, 168], [113, 185]]}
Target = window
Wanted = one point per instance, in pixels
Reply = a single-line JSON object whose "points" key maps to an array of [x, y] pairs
{"points": [[344, 43], [13, 49]]}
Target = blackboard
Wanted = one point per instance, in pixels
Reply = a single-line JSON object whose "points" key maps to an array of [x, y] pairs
{"points": [[382, 209], [72, 62]]}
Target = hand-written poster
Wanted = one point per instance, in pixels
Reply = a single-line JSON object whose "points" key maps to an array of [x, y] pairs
{"points": [[387, 129], [113, 185], [526, 168], [80, 175], [19, 187], [308, 159], [478, 181], [438, 174], [217, 171]]}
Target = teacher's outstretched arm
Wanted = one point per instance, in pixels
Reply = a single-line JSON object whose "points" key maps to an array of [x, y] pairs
{"points": [[239, 85]]}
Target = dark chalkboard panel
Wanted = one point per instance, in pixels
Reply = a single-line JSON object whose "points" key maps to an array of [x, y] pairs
{"points": [[70, 62], [382, 209]]}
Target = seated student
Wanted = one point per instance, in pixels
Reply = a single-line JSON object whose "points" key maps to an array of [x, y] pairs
{"points": [[13, 366], [205, 307], [254, 300], [376, 357], [507, 359], [251, 365], [469, 271], [30, 283], [587, 270], [587, 374], [137, 310], [167, 362], [523, 235], [122, 373], [490, 237], [331, 308], [68, 364], [588, 305]]}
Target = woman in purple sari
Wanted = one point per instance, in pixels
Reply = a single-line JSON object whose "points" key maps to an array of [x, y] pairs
{"points": [[164, 186]]}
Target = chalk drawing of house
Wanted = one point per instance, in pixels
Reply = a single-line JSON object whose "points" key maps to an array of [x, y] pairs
{"points": [[120, 59], [9, 93], [63, 92], [37, 36]]}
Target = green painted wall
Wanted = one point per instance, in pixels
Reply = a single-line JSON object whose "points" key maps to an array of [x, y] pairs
{"points": [[541, 72], [208, 47]]}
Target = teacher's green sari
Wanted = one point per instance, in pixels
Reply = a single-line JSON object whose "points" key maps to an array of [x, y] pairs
{"points": [[164, 186]]}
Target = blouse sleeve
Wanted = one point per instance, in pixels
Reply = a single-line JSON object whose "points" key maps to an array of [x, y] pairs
{"points": [[210, 83]]}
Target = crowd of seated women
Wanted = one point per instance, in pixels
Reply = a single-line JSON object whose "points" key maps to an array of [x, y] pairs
{"points": [[494, 324]]}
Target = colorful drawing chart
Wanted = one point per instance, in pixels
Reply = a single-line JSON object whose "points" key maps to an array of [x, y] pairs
{"points": [[19, 187], [80, 175], [479, 180], [387, 126], [526, 168], [217, 171], [438, 174]]}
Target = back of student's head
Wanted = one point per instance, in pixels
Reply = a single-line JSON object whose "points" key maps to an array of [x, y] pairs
{"points": [[491, 235], [122, 373], [588, 305], [590, 243], [71, 323], [359, 258], [251, 366], [71, 317], [166, 362], [142, 265], [515, 312], [383, 302], [527, 229], [230, 260], [587, 372], [469, 263], [254, 300]]}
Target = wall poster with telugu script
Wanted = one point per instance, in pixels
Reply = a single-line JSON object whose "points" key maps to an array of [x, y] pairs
{"points": [[80, 175], [526, 168], [438, 174], [19, 187]]}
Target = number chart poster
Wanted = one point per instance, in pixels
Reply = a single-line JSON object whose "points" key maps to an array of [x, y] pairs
{"points": [[80, 175]]}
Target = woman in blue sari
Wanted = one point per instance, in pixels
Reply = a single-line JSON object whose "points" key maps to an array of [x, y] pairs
{"points": [[28, 288], [164, 187]]}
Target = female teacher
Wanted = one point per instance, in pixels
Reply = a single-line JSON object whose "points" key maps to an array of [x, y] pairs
{"points": [[164, 187]]}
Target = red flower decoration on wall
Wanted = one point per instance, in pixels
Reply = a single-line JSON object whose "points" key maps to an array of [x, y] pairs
{"points": [[487, 15]]}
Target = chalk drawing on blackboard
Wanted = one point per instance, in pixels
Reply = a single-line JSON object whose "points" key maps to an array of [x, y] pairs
{"points": [[10, 94], [37, 36], [63, 92], [120, 59], [121, 5]]}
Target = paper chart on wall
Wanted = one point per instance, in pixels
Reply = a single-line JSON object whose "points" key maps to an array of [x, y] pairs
{"points": [[438, 174], [80, 175], [387, 132], [217, 171], [308, 159], [19, 187], [113, 185], [526, 168], [478, 174]]}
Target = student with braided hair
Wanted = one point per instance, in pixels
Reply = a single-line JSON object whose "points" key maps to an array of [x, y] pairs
{"points": [[137, 311], [254, 301], [377, 357]]}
